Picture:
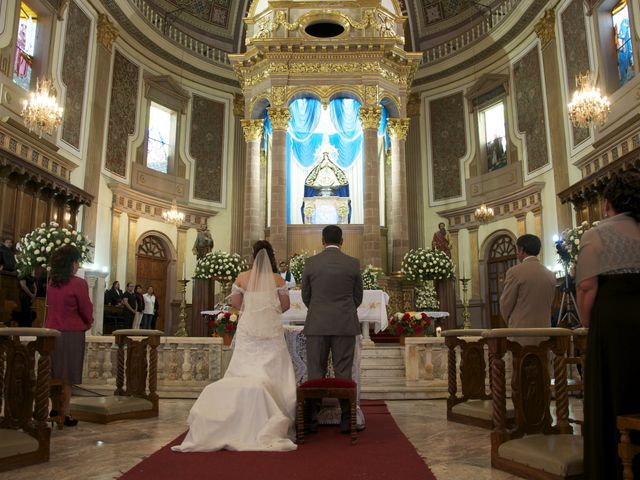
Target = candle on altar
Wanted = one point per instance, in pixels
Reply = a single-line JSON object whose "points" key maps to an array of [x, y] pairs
{"points": [[438, 331]]}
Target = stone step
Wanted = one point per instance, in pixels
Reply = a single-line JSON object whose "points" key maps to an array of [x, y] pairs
{"points": [[394, 389], [382, 352], [383, 371], [381, 362]]}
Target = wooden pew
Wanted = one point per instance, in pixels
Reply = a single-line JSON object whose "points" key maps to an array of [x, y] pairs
{"points": [[533, 448], [24, 393], [474, 406], [132, 398]]}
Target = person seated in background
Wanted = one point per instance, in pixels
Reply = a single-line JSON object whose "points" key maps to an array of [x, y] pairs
{"points": [[288, 277], [7, 256], [114, 295]]}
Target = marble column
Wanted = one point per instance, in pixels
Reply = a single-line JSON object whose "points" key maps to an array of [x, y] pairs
{"points": [[279, 118], [522, 224], [455, 259], [106, 33], [415, 185], [181, 251], [399, 232], [537, 225], [132, 236], [115, 235], [545, 30], [370, 118], [252, 230], [238, 179], [475, 263]]}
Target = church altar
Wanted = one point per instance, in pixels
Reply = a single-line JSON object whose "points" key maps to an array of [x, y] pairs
{"points": [[372, 310], [326, 210]]}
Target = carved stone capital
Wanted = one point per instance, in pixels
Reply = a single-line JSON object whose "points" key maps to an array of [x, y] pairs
{"points": [[545, 28], [279, 117], [252, 129], [107, 32], [370, 116], [398, 128], [238, 105]]}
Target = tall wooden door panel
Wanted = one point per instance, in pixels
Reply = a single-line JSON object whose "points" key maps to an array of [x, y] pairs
{"points": [[502, 256], [152, 263]]}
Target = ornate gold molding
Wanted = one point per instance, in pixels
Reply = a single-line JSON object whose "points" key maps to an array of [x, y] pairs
{"points": [[106, 32], [413, 105], [398, 128], [238, 105], [371, 94], [370, 116], [278, 95], [545, 28], [279, 117], [252, 129]]}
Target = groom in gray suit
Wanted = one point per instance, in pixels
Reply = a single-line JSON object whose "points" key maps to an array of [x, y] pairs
{"points": [[332, 292]]}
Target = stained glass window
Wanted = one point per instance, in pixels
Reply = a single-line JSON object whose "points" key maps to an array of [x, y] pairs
{"points": [[622, 34], [161, 136], [25, 46], [493, 135]]}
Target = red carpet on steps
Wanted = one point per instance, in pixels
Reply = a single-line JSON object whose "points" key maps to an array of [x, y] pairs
{"points": [[382, 452]]}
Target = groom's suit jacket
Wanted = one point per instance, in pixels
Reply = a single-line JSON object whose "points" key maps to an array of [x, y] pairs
{"points": [[332, 292]]}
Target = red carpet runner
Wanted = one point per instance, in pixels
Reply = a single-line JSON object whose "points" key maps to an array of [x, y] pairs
{"points": [[382, 452]]}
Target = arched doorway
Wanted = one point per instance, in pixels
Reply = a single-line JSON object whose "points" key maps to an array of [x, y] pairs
{"points": [[152, 262], [502, 256]]}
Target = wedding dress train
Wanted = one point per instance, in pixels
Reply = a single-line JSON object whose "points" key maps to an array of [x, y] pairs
{"points": [[253, 406]]}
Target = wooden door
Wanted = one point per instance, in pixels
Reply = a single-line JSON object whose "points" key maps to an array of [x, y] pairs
{"points": [[152, 262], [502, 256]]}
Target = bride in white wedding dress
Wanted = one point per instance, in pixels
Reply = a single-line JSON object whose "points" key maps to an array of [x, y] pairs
{"points": [[253, 406]]}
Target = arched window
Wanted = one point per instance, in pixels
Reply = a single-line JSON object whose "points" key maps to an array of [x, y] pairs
{"points": [[502, 256], [622, 39], [25, 46], [152, 247]]}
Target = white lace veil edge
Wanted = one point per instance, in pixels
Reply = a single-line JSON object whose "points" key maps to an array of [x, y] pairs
{"points": [[261, 278]]}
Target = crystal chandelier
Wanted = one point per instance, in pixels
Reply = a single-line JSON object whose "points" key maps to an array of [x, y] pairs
{"points": [[41, 112], [173, 216], [484, 213], [587, 105]]}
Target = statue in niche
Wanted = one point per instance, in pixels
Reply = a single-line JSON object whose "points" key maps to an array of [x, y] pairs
{"points": [[496, 154], [203, 243], [326, 192], [326, 177]]}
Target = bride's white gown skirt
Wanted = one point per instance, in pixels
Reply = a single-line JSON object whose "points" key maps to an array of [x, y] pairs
{"points": [[252, 407]]}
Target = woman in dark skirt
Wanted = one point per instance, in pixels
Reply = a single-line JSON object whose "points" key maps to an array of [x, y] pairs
{"points": [[608, 289], [71, 312]]}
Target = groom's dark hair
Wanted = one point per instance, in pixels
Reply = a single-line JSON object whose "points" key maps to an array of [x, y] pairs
{"points": [[263, 244], [332, 235]]}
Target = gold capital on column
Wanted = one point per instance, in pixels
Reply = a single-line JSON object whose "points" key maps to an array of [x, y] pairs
{"points": [[545, 28], [370, 116], [106, 32], [279, 117], [398, 128], [252, 129]]}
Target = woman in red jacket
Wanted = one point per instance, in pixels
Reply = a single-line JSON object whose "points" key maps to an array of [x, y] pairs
{"points": [[71, 312]]}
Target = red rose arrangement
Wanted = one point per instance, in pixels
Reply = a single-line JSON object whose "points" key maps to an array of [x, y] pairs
{"points": [[411, 324], [225, 323]]}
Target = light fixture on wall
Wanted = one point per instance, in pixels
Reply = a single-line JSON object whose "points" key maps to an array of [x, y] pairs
{"points": [[587, 105], [173, 216], [41, 112], [484, 213]]}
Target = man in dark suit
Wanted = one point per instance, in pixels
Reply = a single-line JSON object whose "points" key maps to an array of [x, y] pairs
{"points": [[529, 289], [332, 291]]}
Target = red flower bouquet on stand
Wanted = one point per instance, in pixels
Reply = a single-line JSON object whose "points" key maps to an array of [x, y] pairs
{"points": [[410, 324], [224, 325]]}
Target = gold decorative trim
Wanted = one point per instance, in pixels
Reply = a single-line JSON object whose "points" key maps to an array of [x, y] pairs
{"points": [[370, 117], [106, 32], [238, 105], [279, 117], [545, 27], [278, 95], [413, 105], [252, 129], [371, 94], [398, 128]]}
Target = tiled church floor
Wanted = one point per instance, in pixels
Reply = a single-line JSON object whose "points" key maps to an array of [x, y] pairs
{"points": [[93, 451]]}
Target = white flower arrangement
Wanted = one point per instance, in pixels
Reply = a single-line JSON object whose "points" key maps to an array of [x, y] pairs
{"points": [[427, 298], [570, 244], [35, 248], [420, 265], [221, 266], [296, 265], [370, 276]]}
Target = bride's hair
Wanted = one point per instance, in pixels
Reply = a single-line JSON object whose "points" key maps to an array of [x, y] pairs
{"points": [[263, 244]]}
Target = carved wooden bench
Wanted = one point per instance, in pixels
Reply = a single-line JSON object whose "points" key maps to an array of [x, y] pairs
{"points": [[533, 448], [474, 406], [133, 398], [627, 450], [24, 394]]}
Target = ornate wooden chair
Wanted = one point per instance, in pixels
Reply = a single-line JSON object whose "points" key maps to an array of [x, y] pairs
{"points": [[24, 391], [533, 448], [474, 406], [132, 399], [325, 388], [626, 449]]}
